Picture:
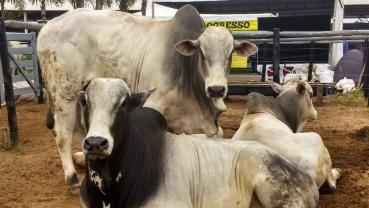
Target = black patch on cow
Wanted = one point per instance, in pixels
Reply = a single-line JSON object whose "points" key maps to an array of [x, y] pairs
{"points": [[286, 107], [50, 121], [326, 189], [138, 155], [288, 181], [288, 172]]}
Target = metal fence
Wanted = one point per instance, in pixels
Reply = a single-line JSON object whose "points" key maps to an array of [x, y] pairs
{"points": [[27, 69]]}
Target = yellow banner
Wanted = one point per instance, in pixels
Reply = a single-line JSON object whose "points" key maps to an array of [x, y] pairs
{"points": [[235, 25], [238, 62]]}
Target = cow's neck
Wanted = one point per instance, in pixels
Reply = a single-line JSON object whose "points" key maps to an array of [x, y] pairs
{"points": [[183, 112], [288, 111]]}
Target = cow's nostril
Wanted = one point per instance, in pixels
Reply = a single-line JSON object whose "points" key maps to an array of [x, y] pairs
{"points": [[104, 144], [86, 145], [216, 91]]}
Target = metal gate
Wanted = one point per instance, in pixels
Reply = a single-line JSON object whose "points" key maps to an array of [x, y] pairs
{"points": [[27, 70]]}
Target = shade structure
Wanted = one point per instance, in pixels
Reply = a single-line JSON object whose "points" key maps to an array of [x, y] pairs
{"points": [[280, 7], [349, 66]]}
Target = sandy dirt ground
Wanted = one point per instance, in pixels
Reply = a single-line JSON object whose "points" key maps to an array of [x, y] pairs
{"points": [[32, 176]]}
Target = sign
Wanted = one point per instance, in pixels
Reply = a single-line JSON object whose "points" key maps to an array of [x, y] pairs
{"points": [[238, 62], [235, 25]]}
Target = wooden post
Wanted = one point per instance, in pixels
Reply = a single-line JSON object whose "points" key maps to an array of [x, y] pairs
{"points": [[365, 77], [265, 56], [365, 73], [311, 61], [335, 49], [276, 55], [319, 94], [8, 85]]}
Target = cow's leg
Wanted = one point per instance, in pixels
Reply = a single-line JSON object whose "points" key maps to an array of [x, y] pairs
{"points": [[333, 176], [280, 184], [65, 120]]}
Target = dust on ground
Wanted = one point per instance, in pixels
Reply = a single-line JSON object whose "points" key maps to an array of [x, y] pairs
{"points": [[33, 177]]}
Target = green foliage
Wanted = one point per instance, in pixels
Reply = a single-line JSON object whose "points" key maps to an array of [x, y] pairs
{"points": [[352, 99], [125, 4]]}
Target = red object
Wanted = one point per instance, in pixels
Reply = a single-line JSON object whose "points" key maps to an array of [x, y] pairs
{"points": [[285, 70]]}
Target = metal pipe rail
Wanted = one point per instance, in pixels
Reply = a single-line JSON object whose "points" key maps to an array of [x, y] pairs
{"points": [[296, 34]]}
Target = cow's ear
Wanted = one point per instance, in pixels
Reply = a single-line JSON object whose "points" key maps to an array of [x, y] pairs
{"points": [[276, 87], [245, 48], [137, 100], [187, 47], [82, 98], [301, 88]]}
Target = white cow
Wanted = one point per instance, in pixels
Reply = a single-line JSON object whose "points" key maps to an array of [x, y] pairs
{"points": [[132, 162], [186, 63], [273, 122]]}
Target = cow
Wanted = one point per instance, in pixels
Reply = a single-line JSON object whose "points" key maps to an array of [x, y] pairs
{"points": [[131, 161], [186, 63], [274, 122]]}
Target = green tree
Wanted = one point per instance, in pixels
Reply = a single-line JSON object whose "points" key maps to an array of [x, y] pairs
{"points": [[77, 3], [143, 7], [125, 4], [43, 6], [19, 4]]}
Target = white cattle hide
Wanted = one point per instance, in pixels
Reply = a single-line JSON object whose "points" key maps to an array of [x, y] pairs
{"points": [[346, 85], [167, 170], [307, 150]]}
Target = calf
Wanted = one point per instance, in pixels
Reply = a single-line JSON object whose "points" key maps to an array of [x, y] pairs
{"points": [[274, 122], [131, 161]]}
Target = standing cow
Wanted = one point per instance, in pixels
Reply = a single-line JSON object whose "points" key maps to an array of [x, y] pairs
{"points": [[185, 63], [131, 161], [274, 121]]}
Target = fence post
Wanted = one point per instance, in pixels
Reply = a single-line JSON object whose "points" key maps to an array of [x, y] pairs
{"points": [[311, 61], [8, 85], [265, 56], [276, 55], [365, 77]]}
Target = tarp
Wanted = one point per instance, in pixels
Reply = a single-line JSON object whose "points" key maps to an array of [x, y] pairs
{"points": [[349, 66]]}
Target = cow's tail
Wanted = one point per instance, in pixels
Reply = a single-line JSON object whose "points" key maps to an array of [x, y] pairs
{"points": [[50, 121]]}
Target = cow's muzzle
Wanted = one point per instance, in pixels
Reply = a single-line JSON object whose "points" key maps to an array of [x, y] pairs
{"points": [[216, 91], [96, 146]]}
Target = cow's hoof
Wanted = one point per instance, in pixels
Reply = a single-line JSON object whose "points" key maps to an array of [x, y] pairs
{"points": [[75, 189], [337, 173], [73, 183]]}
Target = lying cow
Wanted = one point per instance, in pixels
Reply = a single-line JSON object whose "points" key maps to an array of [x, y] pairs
{"points": [[272, 122], [186, 63], [133, 162]]}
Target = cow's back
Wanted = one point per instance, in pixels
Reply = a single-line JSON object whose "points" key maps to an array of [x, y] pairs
{"points": [[89, 44]]}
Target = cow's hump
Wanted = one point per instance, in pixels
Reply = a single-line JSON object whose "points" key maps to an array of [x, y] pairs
{"points": [[189, 18]]}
